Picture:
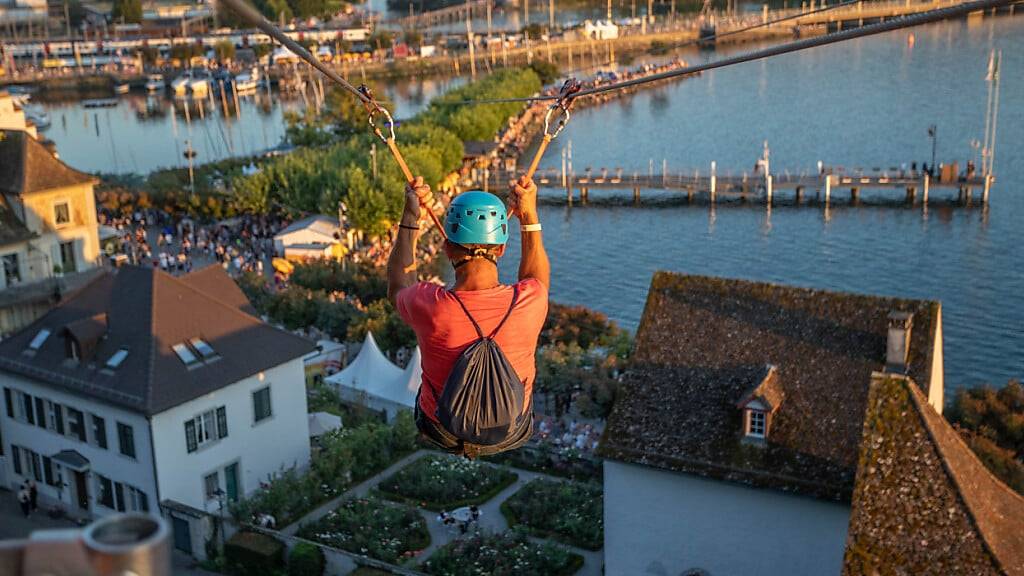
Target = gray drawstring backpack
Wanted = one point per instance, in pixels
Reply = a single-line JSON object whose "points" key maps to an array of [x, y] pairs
{"points": [[483, 397]]}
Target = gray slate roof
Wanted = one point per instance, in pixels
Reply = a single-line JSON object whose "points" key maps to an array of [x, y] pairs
{"points": [[26, 166], [924, 503], [147, 312], [702, 346]]}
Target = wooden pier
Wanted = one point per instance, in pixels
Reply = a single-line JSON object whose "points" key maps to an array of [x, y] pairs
{"points": [[911, 187]]}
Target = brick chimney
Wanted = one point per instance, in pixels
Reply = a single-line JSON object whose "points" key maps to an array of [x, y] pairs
{"points": [[897, 347]]}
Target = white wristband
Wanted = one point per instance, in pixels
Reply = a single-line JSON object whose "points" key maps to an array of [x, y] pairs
{"points": [[530, 228]]}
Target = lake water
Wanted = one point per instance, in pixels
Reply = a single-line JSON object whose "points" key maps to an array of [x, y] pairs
{"points": [[143, 133], [863, 103]]}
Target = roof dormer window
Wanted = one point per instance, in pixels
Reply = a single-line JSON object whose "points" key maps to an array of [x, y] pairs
{"points": [[757, 423], [760, 404]]}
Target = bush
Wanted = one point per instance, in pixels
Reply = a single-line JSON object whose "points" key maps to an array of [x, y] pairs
{"points": [[572, 512], [371, 527], [346, 456], [507, 554], [306, 559], [991, 421], [547, 459], [254, 554], [446, 482]]}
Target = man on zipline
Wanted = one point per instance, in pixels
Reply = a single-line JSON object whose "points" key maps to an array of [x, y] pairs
{"points": [[477, 340]]}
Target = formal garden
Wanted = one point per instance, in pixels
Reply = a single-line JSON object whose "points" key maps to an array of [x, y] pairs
{"points": [[345, 458], [443, 482], [570, 512], [378, 529], [507, 554]]}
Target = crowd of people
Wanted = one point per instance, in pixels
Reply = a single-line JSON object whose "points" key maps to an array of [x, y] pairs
{"points": [[572, 435]]}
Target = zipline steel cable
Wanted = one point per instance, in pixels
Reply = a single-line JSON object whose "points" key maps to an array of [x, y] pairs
{"points": [[897, 23]]}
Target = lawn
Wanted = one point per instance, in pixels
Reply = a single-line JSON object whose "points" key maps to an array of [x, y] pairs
{"points": [[444, 482], [381, 530], [571, 512], [507, 554]]}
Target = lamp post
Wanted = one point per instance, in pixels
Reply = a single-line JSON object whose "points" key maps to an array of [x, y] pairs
{"points": [[933, 134], [190, 153]]}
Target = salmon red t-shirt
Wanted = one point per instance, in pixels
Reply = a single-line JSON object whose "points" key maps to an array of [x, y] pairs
{"points": [[444, 331]]}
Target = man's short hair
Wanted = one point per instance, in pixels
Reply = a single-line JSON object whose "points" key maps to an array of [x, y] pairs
{"points": [[463, 253]]}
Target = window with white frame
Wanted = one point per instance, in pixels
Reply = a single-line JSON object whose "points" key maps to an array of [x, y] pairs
{"points": [[757, 423], [61, 213], [105, 491], [206, 428]]}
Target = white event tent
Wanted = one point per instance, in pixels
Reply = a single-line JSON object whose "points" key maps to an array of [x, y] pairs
{"points": [[373, 380]]}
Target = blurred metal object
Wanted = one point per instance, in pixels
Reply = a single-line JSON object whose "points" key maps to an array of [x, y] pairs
{"points": [[119, 545]]}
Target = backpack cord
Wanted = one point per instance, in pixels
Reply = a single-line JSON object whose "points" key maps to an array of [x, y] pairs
{"points": [[479, 332]]}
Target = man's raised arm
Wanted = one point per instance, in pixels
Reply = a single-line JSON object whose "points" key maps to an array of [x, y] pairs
{"points": [[402, 262], [534, 260]]}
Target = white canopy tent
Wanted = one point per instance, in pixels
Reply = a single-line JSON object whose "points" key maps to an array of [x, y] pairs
{"points": [[373, 380], [321, 423]]}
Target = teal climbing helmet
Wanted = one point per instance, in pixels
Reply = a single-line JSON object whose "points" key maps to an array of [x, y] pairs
{"points": [[477, 217]]}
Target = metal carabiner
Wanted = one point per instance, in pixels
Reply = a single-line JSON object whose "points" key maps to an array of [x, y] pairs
{"points": [[563, 103], [372, 109]]}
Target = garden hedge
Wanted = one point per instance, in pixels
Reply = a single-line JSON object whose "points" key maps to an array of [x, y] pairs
{"points": [[571, 512], [444, 482], [254, 554], [306, 559]]}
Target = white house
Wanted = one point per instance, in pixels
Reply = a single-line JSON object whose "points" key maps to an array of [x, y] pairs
{"points": [[12, 116], [374, 381], [733, 447], [316, 236], [152, 393]]}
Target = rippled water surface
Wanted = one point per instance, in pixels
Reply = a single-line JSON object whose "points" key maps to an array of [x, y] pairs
{"points": [[865, 103]]}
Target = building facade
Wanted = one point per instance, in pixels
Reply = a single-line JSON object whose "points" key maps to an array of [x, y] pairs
{"points": [[49, 242], [146, 392]]}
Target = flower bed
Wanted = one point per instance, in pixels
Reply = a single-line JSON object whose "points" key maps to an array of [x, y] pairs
{"points": [[346, 457], [507, 554], [380, 530], [545, 458], [444, 482], [572, 512]]}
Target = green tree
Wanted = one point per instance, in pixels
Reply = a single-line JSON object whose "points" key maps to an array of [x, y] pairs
{"points": [[129, 11], [389, 330], [547, 71], [992, 422], [412, 37]]}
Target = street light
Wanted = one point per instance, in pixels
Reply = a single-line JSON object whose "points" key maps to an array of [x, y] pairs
{"points": [[933, 134]]}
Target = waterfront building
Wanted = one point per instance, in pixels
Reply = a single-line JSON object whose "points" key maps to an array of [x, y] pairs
{"points": [[12, 116], [146, 392], [734, 444], [49, 243]]}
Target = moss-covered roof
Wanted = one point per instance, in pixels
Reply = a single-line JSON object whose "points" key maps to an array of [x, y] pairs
{"points": [[704, 342], [923, 503]]}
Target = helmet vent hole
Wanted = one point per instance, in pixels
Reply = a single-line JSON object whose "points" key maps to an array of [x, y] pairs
{"points": [[493, 213], [482, 217], [469, 212], [504, 228]]}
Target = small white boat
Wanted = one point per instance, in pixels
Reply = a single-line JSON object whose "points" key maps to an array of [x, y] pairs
{"points": [[247, 81], [37, 116], [155, 83], [122, 88]]}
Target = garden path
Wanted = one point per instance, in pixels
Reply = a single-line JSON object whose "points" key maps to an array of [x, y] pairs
{"points": [[491, 518], [360, 489]]}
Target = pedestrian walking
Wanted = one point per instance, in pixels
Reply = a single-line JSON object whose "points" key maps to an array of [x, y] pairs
{"points": [[33, 494], [25, 502]]}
